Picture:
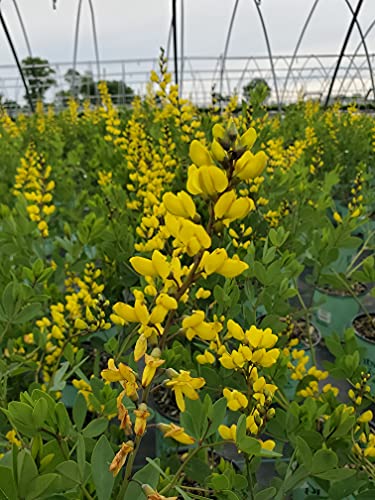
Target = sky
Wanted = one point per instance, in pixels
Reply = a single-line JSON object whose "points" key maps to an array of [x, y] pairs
{"points": [[130, 29], [137, 28]]}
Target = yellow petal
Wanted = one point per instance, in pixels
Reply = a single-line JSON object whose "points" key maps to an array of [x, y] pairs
{"points": [[232, 268], [140, 347], [248, 138], [199, 154], [143, 266], [224, 203], [125, 312]]}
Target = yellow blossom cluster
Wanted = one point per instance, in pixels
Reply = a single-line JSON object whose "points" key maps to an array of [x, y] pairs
{"points": [[33, 183], [81, 313]]}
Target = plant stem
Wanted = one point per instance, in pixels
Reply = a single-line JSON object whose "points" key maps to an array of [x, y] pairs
{"points": [[249, 477]]}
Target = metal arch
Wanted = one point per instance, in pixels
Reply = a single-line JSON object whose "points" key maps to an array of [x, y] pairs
{"points": [[182, 35], [75, 50], [363, 42], [257, 5], [226, 47], [23, 28], [358, 74], [195, 78], [300, 38], [346, 40], [12, 48], [169, 40], [369, 29]]}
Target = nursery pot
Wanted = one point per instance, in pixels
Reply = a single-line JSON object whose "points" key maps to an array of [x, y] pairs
{"points": [[334, 311], [364, 327]]}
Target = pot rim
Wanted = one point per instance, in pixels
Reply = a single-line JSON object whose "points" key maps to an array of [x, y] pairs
{"points": [[324, 291], [358, 334]]}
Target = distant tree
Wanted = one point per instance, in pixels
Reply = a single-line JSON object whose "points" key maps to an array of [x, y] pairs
{"points": [[73, 78], [257, 90], [39, 76]]}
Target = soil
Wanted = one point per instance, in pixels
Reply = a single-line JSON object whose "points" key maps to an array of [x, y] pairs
{"points": [[357, 289], [300, 332], [365, 326], [165, 403]]}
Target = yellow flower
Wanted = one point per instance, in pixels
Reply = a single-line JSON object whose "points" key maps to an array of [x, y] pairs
{"points": [[267, 445], [228, 433], [250, 166], [175, 432], [248, 138], [219, 262], [152, 494], [181, 205], [152, 364], [366, 417], [123, 374], [208, 180], [235, 399], [11, 437], [199, 154], [337, 217], [120, 458], [206, 358], [141, 416], [184, 385], [229, 207], [235, 331], [202, 293]]}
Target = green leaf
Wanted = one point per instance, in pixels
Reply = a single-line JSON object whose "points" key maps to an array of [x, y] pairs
{"points": [[27, 313], [304, 453], [7, 484], [40, 486], [63, 420], [101, 458], [323, 460], [250, 446], [220, 482], [216, 415], [81, 455], [230, 495], [266, 494], [149, 475], [241, 430], [95, 427], [336, 474], [26, 471], [69, 470], [40, 412], [79, 411]]}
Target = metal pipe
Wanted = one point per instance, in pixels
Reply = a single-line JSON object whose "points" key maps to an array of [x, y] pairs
{"points": [[23, 28], [182, 61], [347, 37], [175, 54], [257, 5], [12, 48], [300, 38], [75, 48], [225, 53], [95, 36]]}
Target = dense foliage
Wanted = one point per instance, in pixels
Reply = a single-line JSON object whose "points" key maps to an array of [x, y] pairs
{"points": [[159, 320]]}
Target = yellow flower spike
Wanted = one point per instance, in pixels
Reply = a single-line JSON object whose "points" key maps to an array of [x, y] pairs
{"points": [[228, 433], [235, 399], [199, 154], [120, 457], [206, 358], [248, 138], [143, 266], [141, 416], [175, 432], [218, 131], [184, 385], [235, 330], [217, 151], [152, 364], [224, 203], [212, 180], [140, 347], [366, 417]]}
